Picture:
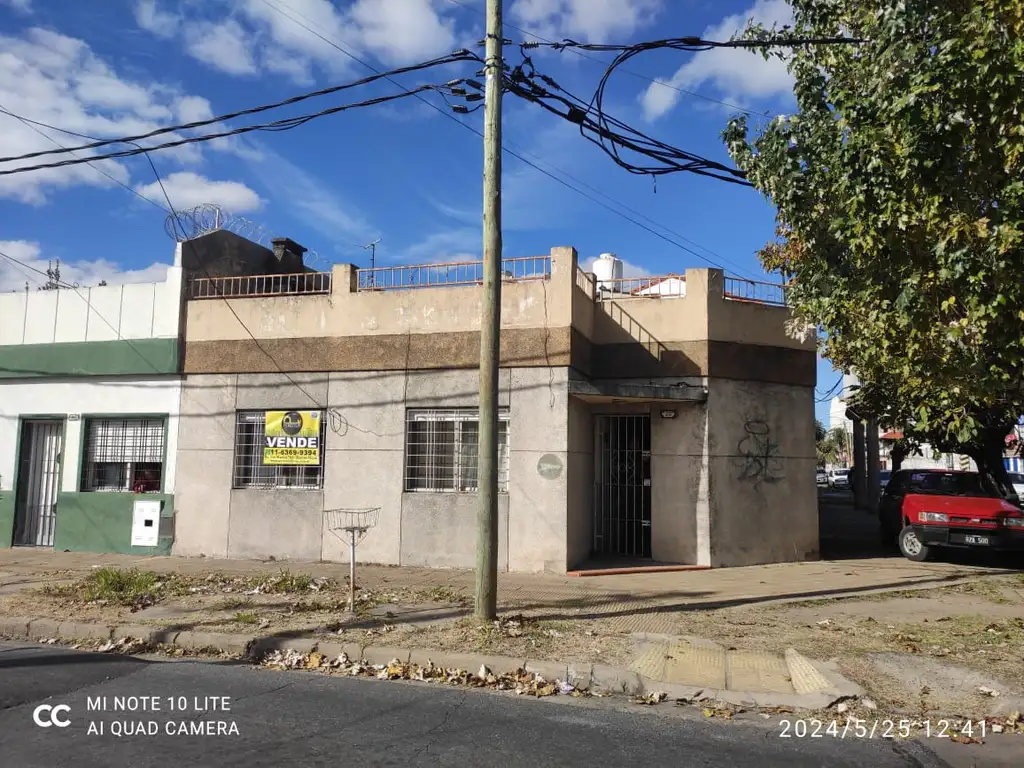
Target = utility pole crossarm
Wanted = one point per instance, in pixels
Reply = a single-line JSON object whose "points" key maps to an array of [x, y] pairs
{"points": [[490, 325]]}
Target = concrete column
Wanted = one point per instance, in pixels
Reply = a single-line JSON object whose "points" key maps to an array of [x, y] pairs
{"points": [[873, 467], [857, 473]]}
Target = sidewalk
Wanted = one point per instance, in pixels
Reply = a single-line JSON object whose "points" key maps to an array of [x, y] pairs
{"points": [[798, 634], [634, 603]]}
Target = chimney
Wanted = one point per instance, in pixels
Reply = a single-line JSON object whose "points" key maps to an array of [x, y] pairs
{"points": [[288, 254]]}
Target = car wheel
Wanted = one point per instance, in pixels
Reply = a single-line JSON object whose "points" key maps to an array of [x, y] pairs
{"points": [[911, 546]]}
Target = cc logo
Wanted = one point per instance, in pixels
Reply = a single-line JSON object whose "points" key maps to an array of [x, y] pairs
{"points": [[46, 715]]}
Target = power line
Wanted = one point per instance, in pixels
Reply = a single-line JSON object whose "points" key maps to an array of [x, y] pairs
{"points": [[697, 44], [505, 146], [33, 123], [605, 63], [277, 125], [454, 57], [522, 81]]}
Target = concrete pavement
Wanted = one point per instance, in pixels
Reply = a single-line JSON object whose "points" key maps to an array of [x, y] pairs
{"points": [[292, 718], [634, 603]]}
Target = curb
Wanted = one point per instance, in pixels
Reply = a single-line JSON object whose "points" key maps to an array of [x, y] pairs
{"points": [[581, 675]]}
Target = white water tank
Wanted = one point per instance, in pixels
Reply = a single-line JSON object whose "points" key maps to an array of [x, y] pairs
{"points": [[607, 268]]}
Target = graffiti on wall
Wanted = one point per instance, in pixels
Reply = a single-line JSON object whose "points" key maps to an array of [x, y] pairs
{"points": [[758, 455]]}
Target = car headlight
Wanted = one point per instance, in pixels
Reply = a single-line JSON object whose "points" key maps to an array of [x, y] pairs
{"points": [[934, 517], [1013, 522]]}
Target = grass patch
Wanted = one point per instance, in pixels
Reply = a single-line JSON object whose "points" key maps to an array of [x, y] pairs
{"points": [[284, 582], [116, 586], [440, 594], [246, 617], [235, 603]]}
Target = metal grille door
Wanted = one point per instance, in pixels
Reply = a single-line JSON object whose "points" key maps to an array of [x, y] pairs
{"points": [[38, 482], [622, 493]]}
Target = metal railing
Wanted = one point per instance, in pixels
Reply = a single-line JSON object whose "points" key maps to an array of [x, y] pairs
{"points": [[259, 285], [665, 286], [755, 291], [585, 282], [400, 278]]}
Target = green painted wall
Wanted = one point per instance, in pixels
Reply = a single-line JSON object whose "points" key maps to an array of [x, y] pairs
{"points": [[6, 518], [140, 357], [102, 522]]}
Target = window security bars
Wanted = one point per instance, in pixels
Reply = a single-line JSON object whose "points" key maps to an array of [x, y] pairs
{"points": [[442, 449], [123, 455], [249, 470]]}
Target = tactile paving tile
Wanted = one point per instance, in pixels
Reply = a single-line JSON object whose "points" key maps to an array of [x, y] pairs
{"points": [[757, 671]]}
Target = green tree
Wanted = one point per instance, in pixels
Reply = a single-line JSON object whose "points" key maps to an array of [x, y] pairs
{"points": [[898, 184]]}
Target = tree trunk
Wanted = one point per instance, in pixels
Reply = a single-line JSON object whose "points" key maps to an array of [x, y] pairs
{"points": [[897, 455], [988, 455]]}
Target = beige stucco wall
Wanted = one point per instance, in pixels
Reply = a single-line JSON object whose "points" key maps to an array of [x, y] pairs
{"points": [[346, 312], [763, 497], [364, 467]]}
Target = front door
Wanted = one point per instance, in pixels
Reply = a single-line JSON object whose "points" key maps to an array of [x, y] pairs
{"points": [[622, 492], [38, 481]]}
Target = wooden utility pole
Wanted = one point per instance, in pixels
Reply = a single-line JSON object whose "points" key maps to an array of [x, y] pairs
{"points": [[490, 326]]}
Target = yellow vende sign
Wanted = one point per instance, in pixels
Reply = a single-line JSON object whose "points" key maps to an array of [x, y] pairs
{"points": [[292, 438]]}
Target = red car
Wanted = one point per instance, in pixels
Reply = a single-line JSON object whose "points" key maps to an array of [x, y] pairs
{"points": [[926, 508]]}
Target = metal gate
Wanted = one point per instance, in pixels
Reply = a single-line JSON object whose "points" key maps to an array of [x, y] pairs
{"points": [[35, 511], [622, 488]]}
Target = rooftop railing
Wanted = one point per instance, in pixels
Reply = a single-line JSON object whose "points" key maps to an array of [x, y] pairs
{"points": [[664, 286], [245, 286], [400, 278], [755, 291]]}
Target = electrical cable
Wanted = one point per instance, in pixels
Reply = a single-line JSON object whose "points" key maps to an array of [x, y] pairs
{"points": [[454, 57], [33, 123], [284, 124], [512, 152], [697, 44], [609, 133], [603, 63]]}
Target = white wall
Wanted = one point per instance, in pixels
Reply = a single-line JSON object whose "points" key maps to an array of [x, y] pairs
{"points": [[107, 313], [94, 396]]}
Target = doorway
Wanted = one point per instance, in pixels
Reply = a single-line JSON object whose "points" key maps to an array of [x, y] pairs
{"points": [[38, 482], [622, 486]]}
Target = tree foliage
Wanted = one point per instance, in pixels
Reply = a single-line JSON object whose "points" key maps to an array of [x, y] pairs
{"points": [[899, 184]]}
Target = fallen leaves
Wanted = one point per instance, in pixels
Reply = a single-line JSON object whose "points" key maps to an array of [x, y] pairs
{"points": [[651, 698], [520, 682]]}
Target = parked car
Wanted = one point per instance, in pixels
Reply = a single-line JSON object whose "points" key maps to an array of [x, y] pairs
{"points": [[883, 479], [821, 477], [926, 508], [839, 478]]}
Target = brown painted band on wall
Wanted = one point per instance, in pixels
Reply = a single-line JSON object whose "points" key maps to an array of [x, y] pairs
{"points": [[520, 348], [715, 359]]}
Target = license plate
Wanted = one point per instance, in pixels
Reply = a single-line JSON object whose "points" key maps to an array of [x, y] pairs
{"points": [[976, 539]]}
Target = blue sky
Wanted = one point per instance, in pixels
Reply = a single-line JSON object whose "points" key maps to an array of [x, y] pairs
{"points": [[400, 172]]}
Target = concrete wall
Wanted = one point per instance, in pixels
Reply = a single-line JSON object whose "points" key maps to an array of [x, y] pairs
{"points": [[347, 312], [364, 467], [89, 397], [763, 498], [100, 313]]}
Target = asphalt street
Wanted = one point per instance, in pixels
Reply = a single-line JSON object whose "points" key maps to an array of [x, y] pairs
{"points": [[269, 718]]}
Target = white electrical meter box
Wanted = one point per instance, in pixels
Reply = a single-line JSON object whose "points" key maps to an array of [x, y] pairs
{"points": [[146, 523]]}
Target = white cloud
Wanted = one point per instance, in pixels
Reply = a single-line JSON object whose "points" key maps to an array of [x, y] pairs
{"points": [[187, 190], [461, 244], [310, 199], [84, 272], [401, 31], [592, 21], [223, 46], [161, 23], [628, 269], [58, 80], [21, 6], [738, 75], [291, 38]]}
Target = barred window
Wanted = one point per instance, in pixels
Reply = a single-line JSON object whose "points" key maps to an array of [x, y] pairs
{"points": [[250, 471], [441, 450], [123, 455]]}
